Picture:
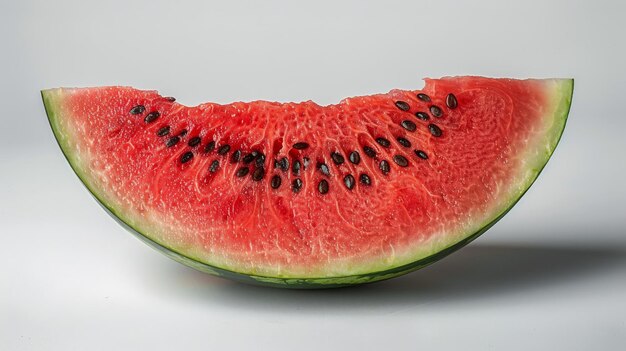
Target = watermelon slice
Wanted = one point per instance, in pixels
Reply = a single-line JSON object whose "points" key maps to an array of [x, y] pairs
{"points": [[302, 195]]}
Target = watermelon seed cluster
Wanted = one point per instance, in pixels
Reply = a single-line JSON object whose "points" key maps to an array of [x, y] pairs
{"points": [[258, 172]]}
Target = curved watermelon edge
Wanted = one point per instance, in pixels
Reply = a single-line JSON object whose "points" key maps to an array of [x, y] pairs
{"points": [[564, 94]]}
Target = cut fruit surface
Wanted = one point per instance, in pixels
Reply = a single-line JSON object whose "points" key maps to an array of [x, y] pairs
{"points": [[303, 195]]}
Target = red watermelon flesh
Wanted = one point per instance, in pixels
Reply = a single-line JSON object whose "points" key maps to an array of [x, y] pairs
{"points": [[210, 184]]}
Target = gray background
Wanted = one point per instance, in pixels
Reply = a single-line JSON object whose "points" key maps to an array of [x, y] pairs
{"points": [[551, 275]]}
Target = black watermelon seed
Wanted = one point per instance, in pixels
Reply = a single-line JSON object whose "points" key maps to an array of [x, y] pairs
{"points": [[276, 181], [195, 141], [383, 142], [223, 150], [137, 110], [323, 168], [260, 160], [384, 166], [234, 158], [337, 158], [172, 141], [210, 146], [365, 179], [151, 117], [400, 160], [214, 166], [248, 158], [451, 101], [436, 111], [301, 145], [404, 142], [186, 157], [423, 97], [296, 185], [163, 131], [434, 130], [349, 181], [242, 172], [354, 157], [403, 105], [421, 154], [258, 174], [369, 151], [183, 132], [408, 125], [283, 164], [170, 98], [322, 186], [422, 115], [296, 167]]}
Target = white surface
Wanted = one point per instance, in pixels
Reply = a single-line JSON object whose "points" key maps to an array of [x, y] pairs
{"points": [[551, 275]]}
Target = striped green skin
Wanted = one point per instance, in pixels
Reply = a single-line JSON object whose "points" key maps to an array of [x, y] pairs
{"points": [[563, 98]]}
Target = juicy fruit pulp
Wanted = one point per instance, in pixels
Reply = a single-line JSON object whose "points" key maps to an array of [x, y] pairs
{"points": [[297, 193]]}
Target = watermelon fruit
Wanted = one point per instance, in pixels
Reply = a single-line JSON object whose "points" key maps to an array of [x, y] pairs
{"points": [[301, 195]]}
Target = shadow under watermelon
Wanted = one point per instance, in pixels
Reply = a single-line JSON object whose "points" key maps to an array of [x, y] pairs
{"points": [[475, 272]]}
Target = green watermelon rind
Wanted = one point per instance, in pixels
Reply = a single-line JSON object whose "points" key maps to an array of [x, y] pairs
{"points": [[563, 98]]}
